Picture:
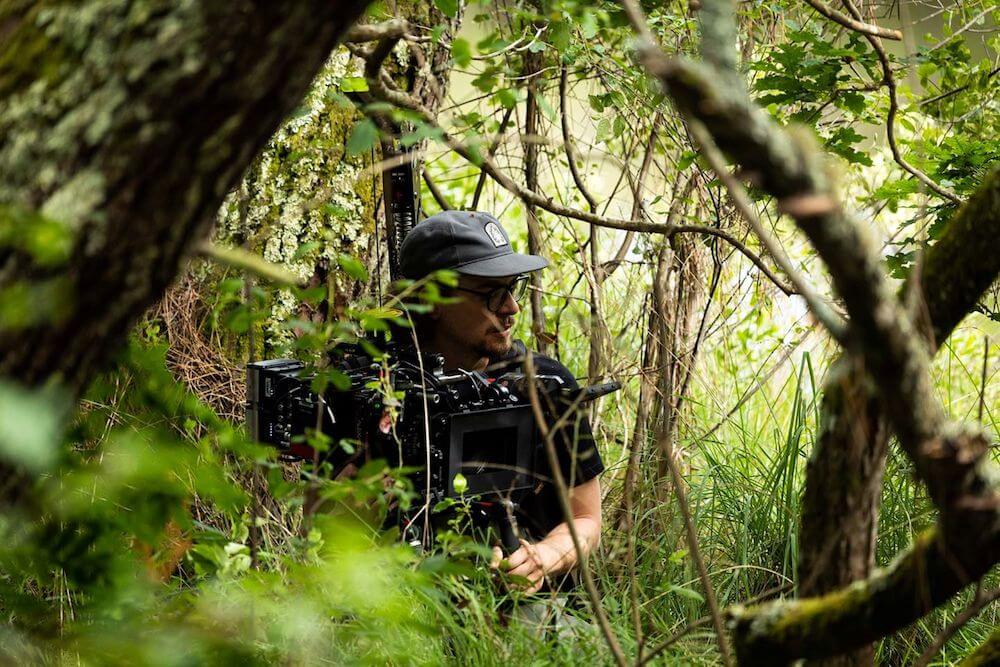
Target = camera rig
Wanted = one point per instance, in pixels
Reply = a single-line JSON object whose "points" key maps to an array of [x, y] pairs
{"points": [[463, 435]]}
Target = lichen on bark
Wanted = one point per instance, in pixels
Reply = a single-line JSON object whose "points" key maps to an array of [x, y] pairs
{"points": [[304, 189]]}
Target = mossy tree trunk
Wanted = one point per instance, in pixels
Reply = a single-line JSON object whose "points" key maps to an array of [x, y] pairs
{"points": [[841, 502], [122, 126], [307, 191]]}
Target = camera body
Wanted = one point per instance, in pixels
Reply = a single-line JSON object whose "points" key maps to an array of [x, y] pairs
{"points": [[444, 427]]}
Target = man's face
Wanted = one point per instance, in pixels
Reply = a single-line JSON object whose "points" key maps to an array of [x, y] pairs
{"points": [[470, 323]]}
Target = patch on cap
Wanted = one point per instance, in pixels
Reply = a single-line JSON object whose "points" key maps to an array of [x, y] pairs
{"points": [[496, 235]]}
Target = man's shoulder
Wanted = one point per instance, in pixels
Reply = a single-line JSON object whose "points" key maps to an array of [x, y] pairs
{"points": [[544, 364]]}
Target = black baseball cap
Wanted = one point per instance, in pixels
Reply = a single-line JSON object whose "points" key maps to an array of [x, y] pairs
{"points": [[467, 242]]}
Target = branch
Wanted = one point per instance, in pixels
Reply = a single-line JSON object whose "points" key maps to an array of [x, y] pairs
{"points": [[831, 320], [372, 32], [916, 582], [890, 125], [638, 209], [956, 272], [949, 460], [852, 24], [439, 197], [979, 602], [380, 88], [954, 91], [568, 142], [491, 152], [564, 503]]}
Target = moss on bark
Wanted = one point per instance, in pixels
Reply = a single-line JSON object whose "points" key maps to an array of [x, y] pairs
{"points": [[128, 124]]}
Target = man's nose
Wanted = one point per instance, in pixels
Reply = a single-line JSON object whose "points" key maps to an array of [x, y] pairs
{"points": [[509, 306]]}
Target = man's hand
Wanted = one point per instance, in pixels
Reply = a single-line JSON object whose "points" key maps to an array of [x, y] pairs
{"points": [[531, 561]]}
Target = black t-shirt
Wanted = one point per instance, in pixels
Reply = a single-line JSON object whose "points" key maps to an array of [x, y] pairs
{"points": [[579, 460]]}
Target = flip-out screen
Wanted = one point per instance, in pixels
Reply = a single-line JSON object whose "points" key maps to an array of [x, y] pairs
{"points": [[493, 450]]}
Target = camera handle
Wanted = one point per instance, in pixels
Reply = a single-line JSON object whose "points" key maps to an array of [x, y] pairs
{"points": [[499, 519], [507, 527]]}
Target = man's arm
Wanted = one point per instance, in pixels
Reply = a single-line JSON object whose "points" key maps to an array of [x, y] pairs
{"points": [[555, 553]]}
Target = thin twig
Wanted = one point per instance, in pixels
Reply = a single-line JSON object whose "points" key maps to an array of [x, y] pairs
{"points": [[890, 121], [707, 620], [568, 142], [955, 91], [833, 322], [439, 197], [491, 152], [857, 26], [982, 379], [692, 538], [979, 601], [563, 494]]}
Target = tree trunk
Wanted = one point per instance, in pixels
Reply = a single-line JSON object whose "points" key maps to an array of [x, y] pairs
{"points": [[122, 127], [532, 65], [840, 506]]}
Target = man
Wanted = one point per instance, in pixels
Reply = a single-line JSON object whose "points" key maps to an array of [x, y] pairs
{"points": [[474, 333]]}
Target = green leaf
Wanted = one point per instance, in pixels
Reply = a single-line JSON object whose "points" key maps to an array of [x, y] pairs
{"points": [[854, 102], [352, 267], [362, 138], [353, 84], [447, 7], [304, 250], [461, 52], [603, 130], [559, 35], [686, 592], [30, 425], [507, 98], [687, 159]]}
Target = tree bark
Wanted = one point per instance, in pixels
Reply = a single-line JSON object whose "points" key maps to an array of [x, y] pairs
{"points": [[532, 66], [840, 506], [124, 124], [884, 338]]}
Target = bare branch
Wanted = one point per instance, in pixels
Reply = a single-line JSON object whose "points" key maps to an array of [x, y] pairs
{"points": [[491, 152], [831, 320], [563, 495], [981, 600], [568, 142], [637, 206], [889, 81], [372, 32], [852, 24], [439, 197]]}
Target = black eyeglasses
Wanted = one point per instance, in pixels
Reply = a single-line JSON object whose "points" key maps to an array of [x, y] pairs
{"points": [[496, 297]]}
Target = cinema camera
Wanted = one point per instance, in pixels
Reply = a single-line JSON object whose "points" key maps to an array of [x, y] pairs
{"points": [[465, 435]]}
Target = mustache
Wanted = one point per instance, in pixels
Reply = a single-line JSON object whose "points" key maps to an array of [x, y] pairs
{"points": [[505, 323]]}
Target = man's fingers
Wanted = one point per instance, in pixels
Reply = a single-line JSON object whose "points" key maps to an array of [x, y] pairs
{"points": [[527, 569], [518, 557], [497, 557]]}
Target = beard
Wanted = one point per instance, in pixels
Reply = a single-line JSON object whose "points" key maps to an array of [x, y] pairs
{"points": [[497, 342], [492, 347]]}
